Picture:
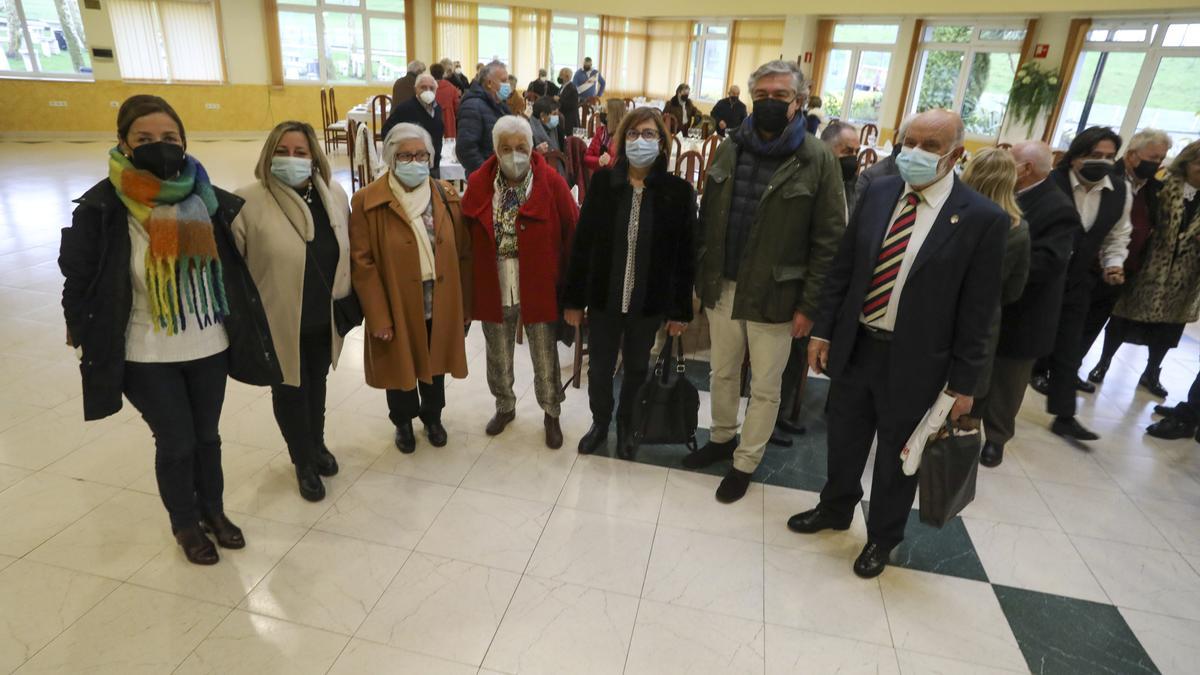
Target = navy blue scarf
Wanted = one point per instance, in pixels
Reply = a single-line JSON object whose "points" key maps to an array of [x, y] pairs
{"points": [[782, 145]]}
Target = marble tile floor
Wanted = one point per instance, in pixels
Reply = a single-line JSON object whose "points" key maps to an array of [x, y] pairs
{"points": [[500, 556]]}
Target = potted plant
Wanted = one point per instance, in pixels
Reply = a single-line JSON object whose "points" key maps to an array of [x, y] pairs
{"points": [[1034, 90]]}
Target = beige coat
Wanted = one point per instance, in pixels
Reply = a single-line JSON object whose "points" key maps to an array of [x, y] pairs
{"points": [[387, 278], [271, 231]]}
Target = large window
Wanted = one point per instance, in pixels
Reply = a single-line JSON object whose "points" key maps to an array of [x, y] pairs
{"points": [[43, 38], [495, 34], [342, 40], [857, 71], [1131, 75], [968, 69], [167, 40], [572, 39], [710, 60]]}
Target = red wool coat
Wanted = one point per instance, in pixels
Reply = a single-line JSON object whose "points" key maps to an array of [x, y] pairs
{"points": [[545, 227], [447, 96]]}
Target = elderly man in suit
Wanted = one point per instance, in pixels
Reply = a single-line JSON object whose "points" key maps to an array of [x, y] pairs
{"points": [[423, 111], [906, 313], [1028, 325]]}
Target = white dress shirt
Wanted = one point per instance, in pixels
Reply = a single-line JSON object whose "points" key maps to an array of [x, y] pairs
{"points": [[933, 197], [1087, 200]]}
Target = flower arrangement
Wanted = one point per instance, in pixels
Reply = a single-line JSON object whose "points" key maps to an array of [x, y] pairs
{"points": [[1034, 90]]}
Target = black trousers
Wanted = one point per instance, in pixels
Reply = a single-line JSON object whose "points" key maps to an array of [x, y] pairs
{"points": [[1100, 307], [797, 365], [1191, 407], [426, 400], [300, 411], [861, 407], [631, 336], [1063, 362], [181, 402]]}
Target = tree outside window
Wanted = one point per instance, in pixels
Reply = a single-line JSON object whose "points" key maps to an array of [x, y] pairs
{"points": [[970, 70], [43, 38]]}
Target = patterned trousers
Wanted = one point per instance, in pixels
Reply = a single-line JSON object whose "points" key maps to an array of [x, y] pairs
{"points": [[501, 340]]}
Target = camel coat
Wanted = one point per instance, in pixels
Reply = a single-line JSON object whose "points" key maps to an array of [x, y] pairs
{"points": [[387, 277], [271, 232]]}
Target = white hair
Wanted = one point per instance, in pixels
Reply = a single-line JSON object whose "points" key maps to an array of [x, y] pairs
{"points": [[511, 124], [1038, 155], [1148, 137], [486, 73], [778, 67], [404, 132], [425, 76], [416, 67]]}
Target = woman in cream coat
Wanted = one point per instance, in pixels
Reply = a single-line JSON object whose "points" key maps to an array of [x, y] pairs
{"points": [[293, 233]]}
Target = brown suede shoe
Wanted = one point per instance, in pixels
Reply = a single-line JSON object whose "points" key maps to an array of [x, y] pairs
{"points": [[499, 421], [554, 439]]}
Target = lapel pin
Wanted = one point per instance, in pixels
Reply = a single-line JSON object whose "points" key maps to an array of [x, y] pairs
{"points": [[954, 219]]}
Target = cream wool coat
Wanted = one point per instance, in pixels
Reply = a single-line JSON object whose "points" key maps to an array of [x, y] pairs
{"points": [[271, 232]]}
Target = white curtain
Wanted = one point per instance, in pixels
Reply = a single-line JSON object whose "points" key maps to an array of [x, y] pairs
{"points": [[192, 40], [135, 30], [455, 33]]}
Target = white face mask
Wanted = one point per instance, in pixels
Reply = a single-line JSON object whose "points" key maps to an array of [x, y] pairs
{"points": [[291, 171], [515, 165], [427, 97]]}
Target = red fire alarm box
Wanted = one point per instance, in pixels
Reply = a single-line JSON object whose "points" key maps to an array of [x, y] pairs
{"points": [[1040, 51], [808, 57]]}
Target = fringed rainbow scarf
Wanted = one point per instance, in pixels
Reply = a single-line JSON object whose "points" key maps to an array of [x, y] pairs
{"points": [[183, 268]]}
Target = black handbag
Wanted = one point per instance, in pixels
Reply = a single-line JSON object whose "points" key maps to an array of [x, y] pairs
{"points": [[665, 411], [949, 467]]}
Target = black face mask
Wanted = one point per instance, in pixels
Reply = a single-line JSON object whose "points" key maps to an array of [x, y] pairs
{"points": [[1145, 169], [849, 167], [162, 159], [770, 115], [1093, 170], [561, 80], [683, 97]]}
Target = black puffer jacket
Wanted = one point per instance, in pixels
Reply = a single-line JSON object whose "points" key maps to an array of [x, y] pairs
{"points": [[97, 295]]}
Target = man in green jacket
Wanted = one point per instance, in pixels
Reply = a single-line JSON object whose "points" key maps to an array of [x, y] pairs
{"points": [[771, 218]]}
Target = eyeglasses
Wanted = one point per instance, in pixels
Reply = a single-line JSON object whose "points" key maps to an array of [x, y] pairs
{"points": [[412, 157], [648, 134]]}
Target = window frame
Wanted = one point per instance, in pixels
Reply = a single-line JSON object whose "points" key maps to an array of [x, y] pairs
{"points": [[506, 24], [318, 12], [856, 50], [1154, 52], [696, 47], [37, 73], [969, 48], [581, 35]]}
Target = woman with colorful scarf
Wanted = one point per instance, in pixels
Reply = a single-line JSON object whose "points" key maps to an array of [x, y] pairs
{"points": [[159, 307]]}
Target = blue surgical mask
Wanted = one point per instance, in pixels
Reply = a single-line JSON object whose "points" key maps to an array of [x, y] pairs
{"points": [[553, 121], [917, 166], [411, 174], [505, 91], [642, 152], [291, 171]]}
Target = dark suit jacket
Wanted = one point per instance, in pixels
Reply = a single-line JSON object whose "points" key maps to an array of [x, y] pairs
{"points": [[404, 89], [947, 304], [1028, 325], [412, 112], [1083, 270], [568, 107], [884, 167], [732, 111]]}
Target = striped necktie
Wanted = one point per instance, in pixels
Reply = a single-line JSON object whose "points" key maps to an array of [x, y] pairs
{"points": [[891, 254]]}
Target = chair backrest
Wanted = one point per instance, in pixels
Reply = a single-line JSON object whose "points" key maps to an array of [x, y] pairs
{"points": [[866, 158], [576, 151], [557, 160], [381, 107], [672, 123], [591, 125], [531, 96], [325, 121], [869, 134], [708, 149], [352, 135], [707, 128], [334, 115], [629, 104], [690, 167], [676, 146]]}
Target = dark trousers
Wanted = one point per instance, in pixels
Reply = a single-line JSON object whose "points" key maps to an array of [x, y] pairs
{"points": [[426, 400], [860, 406], [1191, 408], [608, 334], [181, 402], [1005, 393], [300, 411], [797, 366], [1063, 362], [1100, 306]]}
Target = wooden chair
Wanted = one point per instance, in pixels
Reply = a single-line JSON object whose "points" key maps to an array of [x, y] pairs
{"points": [[868, 135], [629, 104], [355, 178], [866, 158], [381, 107], [690, 167], [591, 125], [708, 149], [333, 127], [672, 123], [576, 151], [557, 160], [707, 127], [531, 97], [581, 351]]}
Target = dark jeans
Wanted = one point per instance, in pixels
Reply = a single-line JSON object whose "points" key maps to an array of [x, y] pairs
{"points": [[425, 400], [859, 408], [300, 411], [608, 334], [181, 402]]}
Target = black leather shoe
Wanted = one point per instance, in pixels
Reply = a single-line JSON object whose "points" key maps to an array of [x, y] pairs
{"points": [[991, 455], [871, 562], [710, 454], [1149, 382], [1165, 410], [1040, 384], [1172, 428], [626, 449], [198, 548], [733, 487], [815, 520], [1071, 428], [228, 535], [327, 464], [554, 437], [1084, 386], [499, 421], [436, 433], [311, 487], [1098, 373], [780, 438], [594, 439], [406, 441], [791, 427]]}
